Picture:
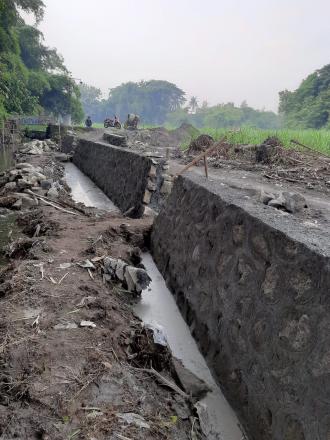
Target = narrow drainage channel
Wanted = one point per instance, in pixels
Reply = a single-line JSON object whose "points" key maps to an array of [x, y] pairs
{"points": [[158, 308]]}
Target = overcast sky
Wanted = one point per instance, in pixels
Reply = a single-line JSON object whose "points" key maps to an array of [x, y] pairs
{"points": [[218, 50]]}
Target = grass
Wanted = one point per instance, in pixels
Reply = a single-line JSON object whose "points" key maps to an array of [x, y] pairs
{"points": [[319, 140], [34, 127]]}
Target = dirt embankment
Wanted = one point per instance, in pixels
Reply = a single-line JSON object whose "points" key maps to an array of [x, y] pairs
{"points": [[74, 361]]}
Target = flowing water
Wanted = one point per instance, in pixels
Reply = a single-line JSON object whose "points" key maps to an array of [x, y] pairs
{"points": [[158, 308], [85, 191]]}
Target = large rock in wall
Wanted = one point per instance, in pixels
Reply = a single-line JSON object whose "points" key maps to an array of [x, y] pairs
{"points": [[254, 288], [121, 174]]}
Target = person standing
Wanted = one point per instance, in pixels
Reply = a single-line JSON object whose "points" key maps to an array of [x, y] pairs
{"points": [[88, 122]]}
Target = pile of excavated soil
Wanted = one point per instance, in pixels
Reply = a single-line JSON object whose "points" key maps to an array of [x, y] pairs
{"points": [[74, 361], [272, 160], [161, 138]]}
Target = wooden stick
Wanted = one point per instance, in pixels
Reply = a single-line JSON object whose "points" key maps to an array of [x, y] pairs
{"points": [[310, 148], [200, 156], [205, 166], [45, 200]]}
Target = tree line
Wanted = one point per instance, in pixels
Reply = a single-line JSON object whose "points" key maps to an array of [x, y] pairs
{"points": [[309, 105], [34, 80], [33, 77], [159, 102]]}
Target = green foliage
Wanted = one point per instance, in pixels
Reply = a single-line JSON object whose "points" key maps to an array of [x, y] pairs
{"points": [[62, 97], [34, 54], [309, 105], [224, 115], [151, 100], [33, 77], [91, 100]]}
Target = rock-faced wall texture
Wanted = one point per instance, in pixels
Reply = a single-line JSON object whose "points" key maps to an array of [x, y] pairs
{"points": [[255, 291], [131, 180], [121, 174]]}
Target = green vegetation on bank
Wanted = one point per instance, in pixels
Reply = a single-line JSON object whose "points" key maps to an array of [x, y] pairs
{"points": [[33, 77], [319, 140], [309, 105]]}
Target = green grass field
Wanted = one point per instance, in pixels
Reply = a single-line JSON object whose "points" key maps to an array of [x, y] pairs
{"points": [[319, 140]]}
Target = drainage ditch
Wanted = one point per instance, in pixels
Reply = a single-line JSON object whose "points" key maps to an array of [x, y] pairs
{"points": [[158, 308]]}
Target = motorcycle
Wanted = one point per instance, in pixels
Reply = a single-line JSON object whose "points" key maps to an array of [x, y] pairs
{"points": [[110, 123]]}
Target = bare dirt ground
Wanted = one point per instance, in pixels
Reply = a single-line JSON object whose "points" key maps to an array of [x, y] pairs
{"points": [[60, 380]]}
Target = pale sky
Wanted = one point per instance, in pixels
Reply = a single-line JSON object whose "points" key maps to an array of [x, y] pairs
{"points": [[217, 50]]}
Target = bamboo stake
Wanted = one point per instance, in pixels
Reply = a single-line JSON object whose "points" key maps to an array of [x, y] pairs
{"points": [[310, 148], [205, 166], [204, 154]]}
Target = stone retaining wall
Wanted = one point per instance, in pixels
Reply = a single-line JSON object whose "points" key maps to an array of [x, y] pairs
{"points": [[255, 290], [130, 180], [122, 175]]}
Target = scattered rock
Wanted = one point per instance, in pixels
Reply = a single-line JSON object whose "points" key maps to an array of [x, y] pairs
{"points": [[46, 184], [88, 324], [266, 197], [69, 326], [133, 278], [23, 184], [10, 186], [192, 385], [166, 187], [289, 201], [52, 193], [133, 419], [147, 197], [17, 205]]}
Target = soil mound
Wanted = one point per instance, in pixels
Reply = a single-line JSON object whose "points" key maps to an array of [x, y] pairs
{"points": [[266, 152], [200, 144]]}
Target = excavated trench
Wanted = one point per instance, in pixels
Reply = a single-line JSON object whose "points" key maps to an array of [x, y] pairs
{"points": [[251, 283], [159, 309]]}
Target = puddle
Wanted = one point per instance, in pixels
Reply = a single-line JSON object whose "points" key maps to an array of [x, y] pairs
{"points": [[158, 307], [85, 191]]}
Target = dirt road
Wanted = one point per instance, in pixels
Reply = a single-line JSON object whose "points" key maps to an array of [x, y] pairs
{"points": [[74, 359]]}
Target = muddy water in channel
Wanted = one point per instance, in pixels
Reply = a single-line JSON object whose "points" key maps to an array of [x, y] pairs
{"points": [[158, 308]]}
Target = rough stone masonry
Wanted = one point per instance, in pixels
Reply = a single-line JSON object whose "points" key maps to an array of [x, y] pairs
{"points": [[254, 288]]}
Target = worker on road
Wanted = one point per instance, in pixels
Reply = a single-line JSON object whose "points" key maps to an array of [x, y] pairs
{"points": [[88, 122]]}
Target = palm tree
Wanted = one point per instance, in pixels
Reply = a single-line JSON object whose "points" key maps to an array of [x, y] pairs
{"points": [[193, 103]]}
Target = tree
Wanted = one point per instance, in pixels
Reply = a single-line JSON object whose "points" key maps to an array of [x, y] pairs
{"points": [[62, 97], [34, 54], [91, 100], [193, 103], [33, 77], [309, 105], [151, 100], [225, 116]]}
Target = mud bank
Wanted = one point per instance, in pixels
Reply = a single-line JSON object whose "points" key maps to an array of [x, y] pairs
{"points": [[253, 285], [74, 361]]}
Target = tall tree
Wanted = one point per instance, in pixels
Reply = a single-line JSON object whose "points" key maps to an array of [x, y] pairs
{"points": [[29, 70], [309, 105], [152, 100], [193, 103]]}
